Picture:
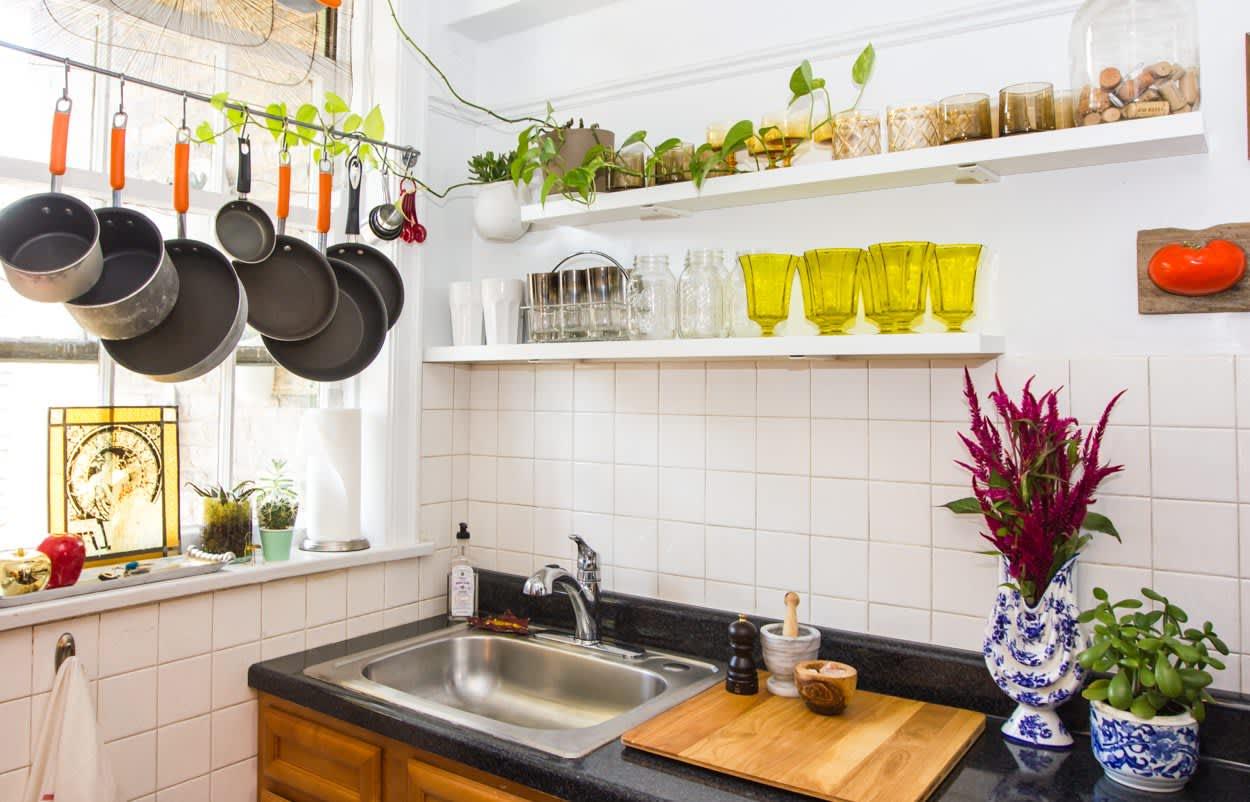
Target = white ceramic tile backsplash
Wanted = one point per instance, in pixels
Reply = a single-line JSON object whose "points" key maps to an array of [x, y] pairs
{"points": [[726, 483]]}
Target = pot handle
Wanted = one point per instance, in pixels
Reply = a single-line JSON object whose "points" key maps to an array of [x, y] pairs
{"points": [[60, 139], [182, 162], [325, 183], [245, 166], [355, 172], [284, 185], [117, 156]]}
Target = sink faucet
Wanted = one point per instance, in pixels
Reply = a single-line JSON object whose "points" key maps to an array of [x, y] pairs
{"points": [[583, 590]]}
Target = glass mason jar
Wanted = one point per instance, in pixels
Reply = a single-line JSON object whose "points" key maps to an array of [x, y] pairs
{"points": [[737, 322], [1134, 58], [701, 296], [652, 299]]}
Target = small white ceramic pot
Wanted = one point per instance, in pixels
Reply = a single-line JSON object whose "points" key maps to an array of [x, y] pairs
{"points": [[1157, 755], [782, 654], [497, 211]]}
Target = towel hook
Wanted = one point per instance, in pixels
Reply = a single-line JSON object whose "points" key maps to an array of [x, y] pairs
{"points": [[64, 648]]}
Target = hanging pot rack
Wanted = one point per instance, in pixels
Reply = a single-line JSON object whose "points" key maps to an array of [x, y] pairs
{"points": [[408, 154]]}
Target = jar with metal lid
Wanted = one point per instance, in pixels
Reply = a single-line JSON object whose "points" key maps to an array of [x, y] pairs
{"points": [[1133, 59], [701, 295], [652, 299]]}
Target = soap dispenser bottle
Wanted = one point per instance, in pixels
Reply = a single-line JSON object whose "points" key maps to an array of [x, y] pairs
{"points": [[461, 580]]}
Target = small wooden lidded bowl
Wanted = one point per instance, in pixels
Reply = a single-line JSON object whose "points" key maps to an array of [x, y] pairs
{"points": [[827, 686]]}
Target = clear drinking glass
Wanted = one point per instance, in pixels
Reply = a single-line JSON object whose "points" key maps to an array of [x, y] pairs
{"points": [[894, 293], [830, 278], [652, 299], [1026, 108], [953, 283], [701, 296], [737, 322], [574, 304]]}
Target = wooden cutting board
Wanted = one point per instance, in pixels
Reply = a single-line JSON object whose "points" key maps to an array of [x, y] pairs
{"points": [[881, 749]]}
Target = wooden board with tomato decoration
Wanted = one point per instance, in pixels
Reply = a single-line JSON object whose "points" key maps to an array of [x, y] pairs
{"points": [[1180, 271]]}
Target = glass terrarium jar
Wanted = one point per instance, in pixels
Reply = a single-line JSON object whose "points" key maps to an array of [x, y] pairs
{"points": [[1133, 59], [227, 527]]}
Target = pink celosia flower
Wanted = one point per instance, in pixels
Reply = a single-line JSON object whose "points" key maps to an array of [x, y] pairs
{"points": [[1033, 482]]}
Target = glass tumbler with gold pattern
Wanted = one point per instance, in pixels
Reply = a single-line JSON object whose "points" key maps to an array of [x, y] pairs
{"points": [[769, 277], [953, 283], [894, 289], [856, 133], [912, 126], [830, 281], [965, 117], [1025, 108]]}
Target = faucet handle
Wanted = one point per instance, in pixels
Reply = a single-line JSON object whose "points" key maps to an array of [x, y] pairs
{"points": [[587, 560]]}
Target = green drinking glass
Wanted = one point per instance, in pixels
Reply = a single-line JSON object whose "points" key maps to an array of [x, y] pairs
{"points": [[953, 283], [894, 285], [769, 277], [829, 277]]}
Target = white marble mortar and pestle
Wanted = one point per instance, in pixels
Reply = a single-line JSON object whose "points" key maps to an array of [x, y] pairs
{"points": [[785, 645]]}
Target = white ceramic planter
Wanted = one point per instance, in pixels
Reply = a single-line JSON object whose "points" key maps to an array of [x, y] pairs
{"points": [[497, 211], [782, 654], [1157, 755]]}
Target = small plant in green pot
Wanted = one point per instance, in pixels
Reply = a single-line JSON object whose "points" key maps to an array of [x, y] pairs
{"points": [[227, 518], [278, 507], [1144, 717]]}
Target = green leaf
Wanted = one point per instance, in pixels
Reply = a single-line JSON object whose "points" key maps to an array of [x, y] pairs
{"points": [[1167, 678], [1142, 708], [1150, 594], [1120, 691], [548, 183], [275, 126], [736, 137], [218, 101], [1198, 711], [205, 133], [374, 126], [964, 506], [1177, 613], [1097, 690], [1195, 678], [1091, 655], [350, 123], [1146, 677], [801, 81], [1219, 645], [335, 104], [861, 70], [1100, 594], [1097, 522], [633, 139]]}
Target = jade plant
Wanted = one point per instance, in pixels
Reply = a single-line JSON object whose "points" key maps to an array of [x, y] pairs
{"points": [[1157, 664], [279, 502], [487, 168]]}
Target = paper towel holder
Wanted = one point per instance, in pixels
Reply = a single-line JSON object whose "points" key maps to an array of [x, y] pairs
{"points": [[354, 544]]}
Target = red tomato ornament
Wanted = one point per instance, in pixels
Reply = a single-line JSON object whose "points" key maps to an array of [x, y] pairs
{"points": [[67, 554], [1181, 269]]}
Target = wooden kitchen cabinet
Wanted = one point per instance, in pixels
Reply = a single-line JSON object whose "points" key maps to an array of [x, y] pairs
{"points": [[307, 756]]}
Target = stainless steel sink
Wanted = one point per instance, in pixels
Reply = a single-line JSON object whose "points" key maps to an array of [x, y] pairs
{"points": [[564, 699]]}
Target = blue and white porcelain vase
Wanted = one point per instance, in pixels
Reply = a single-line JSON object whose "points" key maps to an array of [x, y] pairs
{"points": [[1156, 755], [1031, 654]]}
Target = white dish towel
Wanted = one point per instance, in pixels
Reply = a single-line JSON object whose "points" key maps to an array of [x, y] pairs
{"points": [[69, 764]]}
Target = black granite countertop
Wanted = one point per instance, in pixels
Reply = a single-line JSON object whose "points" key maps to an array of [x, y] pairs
{"points": [[613, 773]]}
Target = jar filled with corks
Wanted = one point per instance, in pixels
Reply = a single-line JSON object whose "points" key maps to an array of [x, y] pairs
{"points": [[1134, 59]]}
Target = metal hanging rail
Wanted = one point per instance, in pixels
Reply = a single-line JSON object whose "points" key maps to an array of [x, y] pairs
{"points": [[410, 154]]}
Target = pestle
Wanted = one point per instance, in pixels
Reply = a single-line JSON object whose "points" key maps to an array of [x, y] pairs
{"points": [[784, 645], [790, 627]]}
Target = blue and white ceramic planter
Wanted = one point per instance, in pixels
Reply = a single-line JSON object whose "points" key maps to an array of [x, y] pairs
{"points": [[1156, 755], [1031, 654]]}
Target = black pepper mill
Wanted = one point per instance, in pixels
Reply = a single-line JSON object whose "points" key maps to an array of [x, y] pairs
{"points": [[742, 677]]}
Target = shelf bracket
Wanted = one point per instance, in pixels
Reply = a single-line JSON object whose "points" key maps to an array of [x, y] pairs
{"points": [[975, 174], [652, 212]]}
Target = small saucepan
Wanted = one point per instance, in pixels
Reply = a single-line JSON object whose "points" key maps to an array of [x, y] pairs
{"points": [[365, 258], [50, 242], [210, 315], [139, 285], [243, 229]]}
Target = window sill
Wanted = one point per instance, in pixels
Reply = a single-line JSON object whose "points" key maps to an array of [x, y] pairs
{"points": [[232, 576]]}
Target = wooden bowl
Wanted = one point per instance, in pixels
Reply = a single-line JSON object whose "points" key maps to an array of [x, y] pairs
{"points": [[825, 693]]}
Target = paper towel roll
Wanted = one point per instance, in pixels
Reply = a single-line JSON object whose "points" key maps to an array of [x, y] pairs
{"points": [[330, 509]]}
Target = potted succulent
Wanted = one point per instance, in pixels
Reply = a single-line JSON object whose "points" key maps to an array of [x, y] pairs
{"points": [[497, 207], [1144, 717], [279, 506], [227, 518], [1033, 483]]}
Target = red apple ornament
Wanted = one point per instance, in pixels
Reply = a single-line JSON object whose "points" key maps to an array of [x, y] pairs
{"points": [[67, 554]]}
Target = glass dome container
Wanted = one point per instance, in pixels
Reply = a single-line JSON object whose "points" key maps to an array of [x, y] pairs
{"points": [[1133, 59]]}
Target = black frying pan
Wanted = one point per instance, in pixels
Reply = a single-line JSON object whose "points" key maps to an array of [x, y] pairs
{"points": [[352, 340], [369, 260], [210, 315], [293, 294], [243, 229]]}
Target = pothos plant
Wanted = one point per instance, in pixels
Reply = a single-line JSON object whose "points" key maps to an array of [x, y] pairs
{"points": [[1157, 664]]}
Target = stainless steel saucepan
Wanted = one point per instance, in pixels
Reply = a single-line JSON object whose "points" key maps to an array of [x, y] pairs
{"points": [[50, 242], [139, 285]]}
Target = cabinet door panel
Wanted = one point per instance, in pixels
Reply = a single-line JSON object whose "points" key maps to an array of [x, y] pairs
{"points": [[428, 783], [319, 762]]}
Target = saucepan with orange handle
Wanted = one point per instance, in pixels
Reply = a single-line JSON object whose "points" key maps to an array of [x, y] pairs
{"points": [[139, 285], [50, 242], [210, 314]]}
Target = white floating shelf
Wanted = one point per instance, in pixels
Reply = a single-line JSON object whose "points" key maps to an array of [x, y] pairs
{"points": [[846, 345], [975, 162]]}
